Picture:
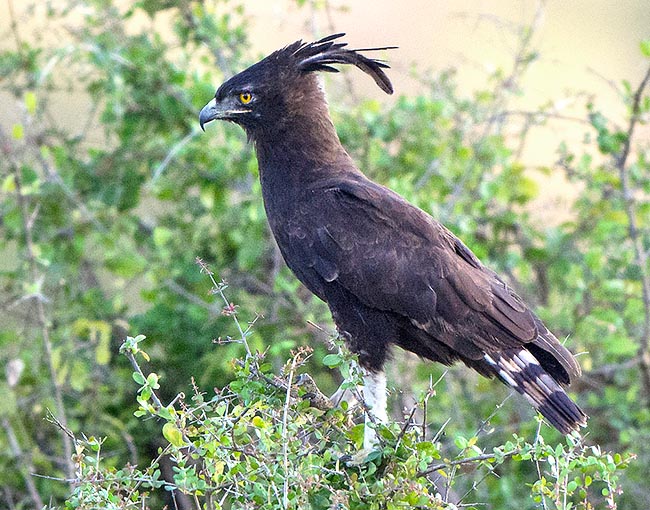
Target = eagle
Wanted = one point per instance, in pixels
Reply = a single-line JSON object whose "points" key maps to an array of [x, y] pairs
{"points": [[389, 272]]}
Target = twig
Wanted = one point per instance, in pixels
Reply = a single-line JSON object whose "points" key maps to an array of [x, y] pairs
{"points": [[41, 318], [285, 448], [406, 425], [155, 462], [136, 367], [636, 102], [534, 115], [640, 254], [425, 410], [172, 153], [608, 81], [430, 393], [486, 421], [26, 463], [441, 430], [218, 288], [49, 416], [474, 486], [192, 298], [539, 470], [465, 460]]}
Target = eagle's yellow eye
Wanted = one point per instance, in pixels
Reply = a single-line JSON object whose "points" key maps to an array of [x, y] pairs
{"points": [[245, 97]]}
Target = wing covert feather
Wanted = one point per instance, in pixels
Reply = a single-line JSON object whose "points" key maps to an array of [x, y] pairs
{"points": [[395, 257]]}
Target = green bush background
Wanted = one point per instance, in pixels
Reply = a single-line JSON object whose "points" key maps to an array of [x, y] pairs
{"points": [[101, 226]]}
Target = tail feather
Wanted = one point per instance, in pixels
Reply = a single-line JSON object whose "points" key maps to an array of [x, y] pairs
{"points": [[523, 372]]}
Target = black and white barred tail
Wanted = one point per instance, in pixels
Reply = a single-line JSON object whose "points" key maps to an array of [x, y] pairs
{"points": [[519, 369]]}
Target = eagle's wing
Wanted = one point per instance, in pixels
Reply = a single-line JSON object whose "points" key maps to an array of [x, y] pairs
{"points": [[392, 256]]}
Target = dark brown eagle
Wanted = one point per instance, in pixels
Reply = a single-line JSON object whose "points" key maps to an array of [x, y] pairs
{"points": [[390, 273]]}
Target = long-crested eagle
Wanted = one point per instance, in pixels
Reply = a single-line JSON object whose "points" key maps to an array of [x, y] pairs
{"points": [[389, 272]]}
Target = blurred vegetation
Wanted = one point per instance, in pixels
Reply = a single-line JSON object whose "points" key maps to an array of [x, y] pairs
{"points": [[102, 222]]}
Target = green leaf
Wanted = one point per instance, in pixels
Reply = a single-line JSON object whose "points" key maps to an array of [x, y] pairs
{"points": [[138, 377], [162, 236], [30, 102], [258, 422], [9, 184], [173, 434], [332, 360], [166, 413], [460, 442], [426, 447], [152, 381], [645, 47], [145, 395], [18, 131]]}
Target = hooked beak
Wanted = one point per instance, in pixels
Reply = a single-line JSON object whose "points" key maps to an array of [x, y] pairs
{"points": [[225, 110], [208, 112]]}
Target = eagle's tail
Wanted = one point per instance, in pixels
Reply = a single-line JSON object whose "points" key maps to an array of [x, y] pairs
{"points": [[521, 370]]}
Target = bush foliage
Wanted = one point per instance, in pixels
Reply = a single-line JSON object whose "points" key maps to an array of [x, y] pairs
{"points": [[102, 218]]}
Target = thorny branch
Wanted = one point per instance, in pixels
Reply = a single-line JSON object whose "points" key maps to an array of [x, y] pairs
{"points": [[218, 288]]}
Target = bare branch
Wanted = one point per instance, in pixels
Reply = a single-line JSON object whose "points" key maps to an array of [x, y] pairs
{"points": [[285, 439], [26, 462], [466, 460], [176, 148], [41, 317], [640, 254]]}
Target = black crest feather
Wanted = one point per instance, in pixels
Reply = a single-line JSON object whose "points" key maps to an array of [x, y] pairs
{"points": [[320, 55]]}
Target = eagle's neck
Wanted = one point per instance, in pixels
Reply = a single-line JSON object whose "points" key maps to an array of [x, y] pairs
{"points": [[301, 139], [304, 145], [299, 150], [291, 165], [302, 150]]}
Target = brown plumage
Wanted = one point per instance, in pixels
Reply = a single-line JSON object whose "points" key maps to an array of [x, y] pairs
{"points": [[389, 272]]}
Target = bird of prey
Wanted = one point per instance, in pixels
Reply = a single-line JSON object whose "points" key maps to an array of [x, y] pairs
{"points": [[389, 272]]}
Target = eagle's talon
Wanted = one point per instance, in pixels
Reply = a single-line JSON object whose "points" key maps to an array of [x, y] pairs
{"points": [[311, 393]]}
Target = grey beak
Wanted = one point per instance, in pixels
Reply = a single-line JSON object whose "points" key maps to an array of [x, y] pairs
{"points": [[208, 112]]}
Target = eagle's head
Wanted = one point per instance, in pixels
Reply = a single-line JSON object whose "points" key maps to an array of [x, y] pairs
{"points": [[283, 86]]}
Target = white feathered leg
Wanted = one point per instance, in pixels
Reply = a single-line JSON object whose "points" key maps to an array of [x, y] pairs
{"points": [[374, 396]]}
